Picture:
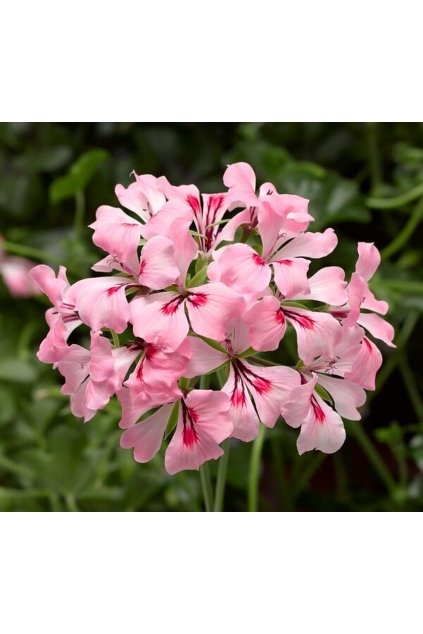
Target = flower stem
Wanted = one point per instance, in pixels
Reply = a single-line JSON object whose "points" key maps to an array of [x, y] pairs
{"points": [[405, 234], [79, 212], [25, 251], [396, 201], [221, 477], [206, 486], [374, 458], [254, 475]]}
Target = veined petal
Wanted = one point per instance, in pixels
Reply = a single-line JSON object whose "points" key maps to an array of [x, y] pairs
{"points": [[101, 302], [368, 260], [322, 429], [242, 412], [309, 245], [378, 327], [158, 267], [210, 308], [241, 268], [347, 396], [366, 365], [146, 437], [266, 323], [291, 276], [160, 319], [204, 358]]}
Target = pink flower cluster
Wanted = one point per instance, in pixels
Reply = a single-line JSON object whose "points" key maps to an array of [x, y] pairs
{"points": [[199, 283], [15, 273]]}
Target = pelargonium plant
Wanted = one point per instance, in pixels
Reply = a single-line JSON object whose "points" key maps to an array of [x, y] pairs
{"points": [[193, 286]]}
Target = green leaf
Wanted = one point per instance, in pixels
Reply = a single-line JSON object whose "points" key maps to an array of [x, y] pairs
{"points": [[78, 176], [16, 371]]}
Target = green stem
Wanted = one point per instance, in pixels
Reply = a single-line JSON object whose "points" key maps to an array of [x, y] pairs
{"points": [[25, 251], [396, 201], [79, 212], [407, 286], [254, 474], [411, 387], [71, 503], [406, 233], [374, 157], [206, 486], [115, 338], [221, 477], [374, 457]]}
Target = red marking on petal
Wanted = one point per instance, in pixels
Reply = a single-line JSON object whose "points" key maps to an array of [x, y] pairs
{"points": [[129, 224], [189, 436], [285, 262], [279, 317], [171, 307], [140, 371], [318, 412], [194, 203], [305, 322], [142, 266], [238, 398], [263, 386], [113, 290], [258, 260], [197, 299], [368, 344]]}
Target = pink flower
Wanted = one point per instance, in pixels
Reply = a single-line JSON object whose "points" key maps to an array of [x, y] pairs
{"points": [[255, 392], [91, 378], [321, 427], [240, 267], [360, 297], [202, 423], [62, 318], [160, 318], [145, 197]]}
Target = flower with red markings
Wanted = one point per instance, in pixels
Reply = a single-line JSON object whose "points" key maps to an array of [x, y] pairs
{"points": [[198, 285]]}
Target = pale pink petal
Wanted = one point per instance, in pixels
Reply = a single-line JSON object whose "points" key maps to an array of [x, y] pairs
{"points": [[240, 178], [347, 396], [211, 307], [243, 415], [158, 268], [49, 284], [135, 404], [101, 302], [146, 437], [309, 245], [378, 327], [296, 407], [241, 268], [328, 286], [266, 323], [160, 319], [180, 457], [210, 410], [118, 234], [269, 387], [203, 422], [204, 358], [322, 429], [317, 332], [366, 365], [356, 290], [291, 276], [371, 303], [368, 260], [74, 366], [54, 346]]}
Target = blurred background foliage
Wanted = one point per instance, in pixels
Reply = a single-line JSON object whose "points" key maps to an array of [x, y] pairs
{"points": [[365, 180]]}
